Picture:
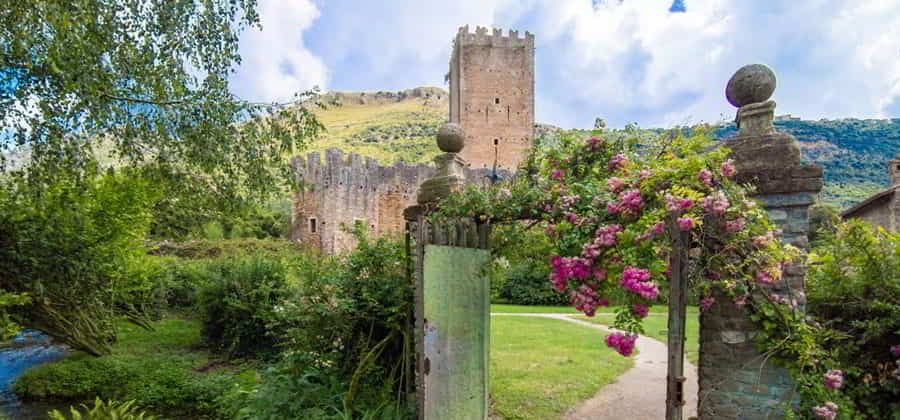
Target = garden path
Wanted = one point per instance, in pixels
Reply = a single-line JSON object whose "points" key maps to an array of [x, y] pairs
{"points": [[640, 393]]}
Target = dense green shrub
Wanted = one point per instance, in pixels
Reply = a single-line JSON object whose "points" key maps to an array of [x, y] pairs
{"points": [[161, 370], [177, 281], [854, 290], [238, 304], [822, 217], [526, 284], [348, 352], [206, 249]]}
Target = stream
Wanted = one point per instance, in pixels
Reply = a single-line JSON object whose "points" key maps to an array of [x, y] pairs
{"points": [[29, 348]]}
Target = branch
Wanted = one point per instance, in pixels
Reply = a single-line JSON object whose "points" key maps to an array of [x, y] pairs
{"points": [[141, 101]]}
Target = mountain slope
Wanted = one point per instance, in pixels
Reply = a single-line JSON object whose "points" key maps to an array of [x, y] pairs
{"points": [[388, 126], [392, 126]]}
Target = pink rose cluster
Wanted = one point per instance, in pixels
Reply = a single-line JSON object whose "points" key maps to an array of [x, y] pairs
{"points": [[630, 202], [640, 310], [765, 277], [586, 299], [727, 168], [736, 225], [623, 343], [707, 302], [617, 161], [763, 240], [615, 184], [637, 280], [706, 177], [606, 235], [716, 204], [834, 379], [568, 200], [564, 268], [678, 204], [827, 411], [895, 350], [594, 142], [685, 223], [557, 174]]}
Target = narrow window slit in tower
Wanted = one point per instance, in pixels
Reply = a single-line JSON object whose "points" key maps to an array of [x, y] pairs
{"points": [[312, 225]]}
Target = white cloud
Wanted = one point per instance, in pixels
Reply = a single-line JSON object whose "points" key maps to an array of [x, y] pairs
{"points": [[275, 63], [635, 59], [400, 43], [626, 61]]}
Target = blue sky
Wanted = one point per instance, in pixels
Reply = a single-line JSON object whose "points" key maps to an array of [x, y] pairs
{"points": [[653, 62]]}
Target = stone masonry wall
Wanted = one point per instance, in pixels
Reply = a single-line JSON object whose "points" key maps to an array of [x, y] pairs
{"points": [[736, 381], [348, 189], [492, 95], [880, 212]]}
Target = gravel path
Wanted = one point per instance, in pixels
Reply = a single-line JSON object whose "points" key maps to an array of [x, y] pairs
{"points": [[640, 393]]}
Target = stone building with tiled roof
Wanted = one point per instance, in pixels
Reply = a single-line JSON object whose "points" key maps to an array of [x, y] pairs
{"points": [[882, 208]]}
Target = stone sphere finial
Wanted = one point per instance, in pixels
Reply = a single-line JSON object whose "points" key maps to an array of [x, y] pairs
{"points": [[750, 84], [451, 138]]}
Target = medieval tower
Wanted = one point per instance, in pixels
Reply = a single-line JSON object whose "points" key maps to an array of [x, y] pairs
{"points": [[492, 95]]}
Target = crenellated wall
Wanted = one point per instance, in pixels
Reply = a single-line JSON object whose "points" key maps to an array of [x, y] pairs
{"points": [[492, 95], [345, 189]]}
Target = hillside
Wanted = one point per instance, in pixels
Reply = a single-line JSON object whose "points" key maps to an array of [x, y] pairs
{"points": [[392, 126], [388, 126]]}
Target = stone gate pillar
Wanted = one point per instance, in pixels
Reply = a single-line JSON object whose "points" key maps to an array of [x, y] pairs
{"points": [[452, 296], [735, 380]]}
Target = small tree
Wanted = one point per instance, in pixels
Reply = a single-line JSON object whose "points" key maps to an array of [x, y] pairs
{"points": [[71, 246]]}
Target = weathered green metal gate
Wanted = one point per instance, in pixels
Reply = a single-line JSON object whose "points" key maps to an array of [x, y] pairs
{"points": [[452, 317]]}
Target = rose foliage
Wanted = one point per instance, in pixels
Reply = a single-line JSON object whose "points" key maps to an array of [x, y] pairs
{"points": [[611, 209]]}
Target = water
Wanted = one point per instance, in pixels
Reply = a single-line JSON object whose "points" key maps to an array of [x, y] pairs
{"points": [[29, 348]]}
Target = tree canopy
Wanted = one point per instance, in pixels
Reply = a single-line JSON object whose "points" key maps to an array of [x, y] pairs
{"points": [[141, 83], [121, 117]]}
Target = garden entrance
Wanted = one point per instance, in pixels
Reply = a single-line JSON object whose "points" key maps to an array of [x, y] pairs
{"points": [[627, 217]]}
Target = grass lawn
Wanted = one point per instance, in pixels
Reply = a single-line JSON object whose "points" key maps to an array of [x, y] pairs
{"points": [[542, 367], [519, 309], [657, 327], [568, 309]]}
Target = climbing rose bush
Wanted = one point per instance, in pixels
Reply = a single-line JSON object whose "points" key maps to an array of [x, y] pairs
{"points": [[612, 210]]}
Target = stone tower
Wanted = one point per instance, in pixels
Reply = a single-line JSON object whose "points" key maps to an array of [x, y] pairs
{"points": [[492, 95]]}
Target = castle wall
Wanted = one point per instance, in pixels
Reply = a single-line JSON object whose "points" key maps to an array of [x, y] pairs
{"points": [[347, 189], [492, 95]]}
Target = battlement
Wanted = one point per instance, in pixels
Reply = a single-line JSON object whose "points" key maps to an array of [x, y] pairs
{"points": [[352, 170], [495, 39]]}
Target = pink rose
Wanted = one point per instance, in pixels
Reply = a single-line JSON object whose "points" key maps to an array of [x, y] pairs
{"points": [[705, 176]]}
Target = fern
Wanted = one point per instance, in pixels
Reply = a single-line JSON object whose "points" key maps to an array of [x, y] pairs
{"points": [[110, 410]]}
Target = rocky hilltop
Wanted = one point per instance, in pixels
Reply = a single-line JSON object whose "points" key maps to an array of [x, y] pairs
{"points": [[433, 96]]}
